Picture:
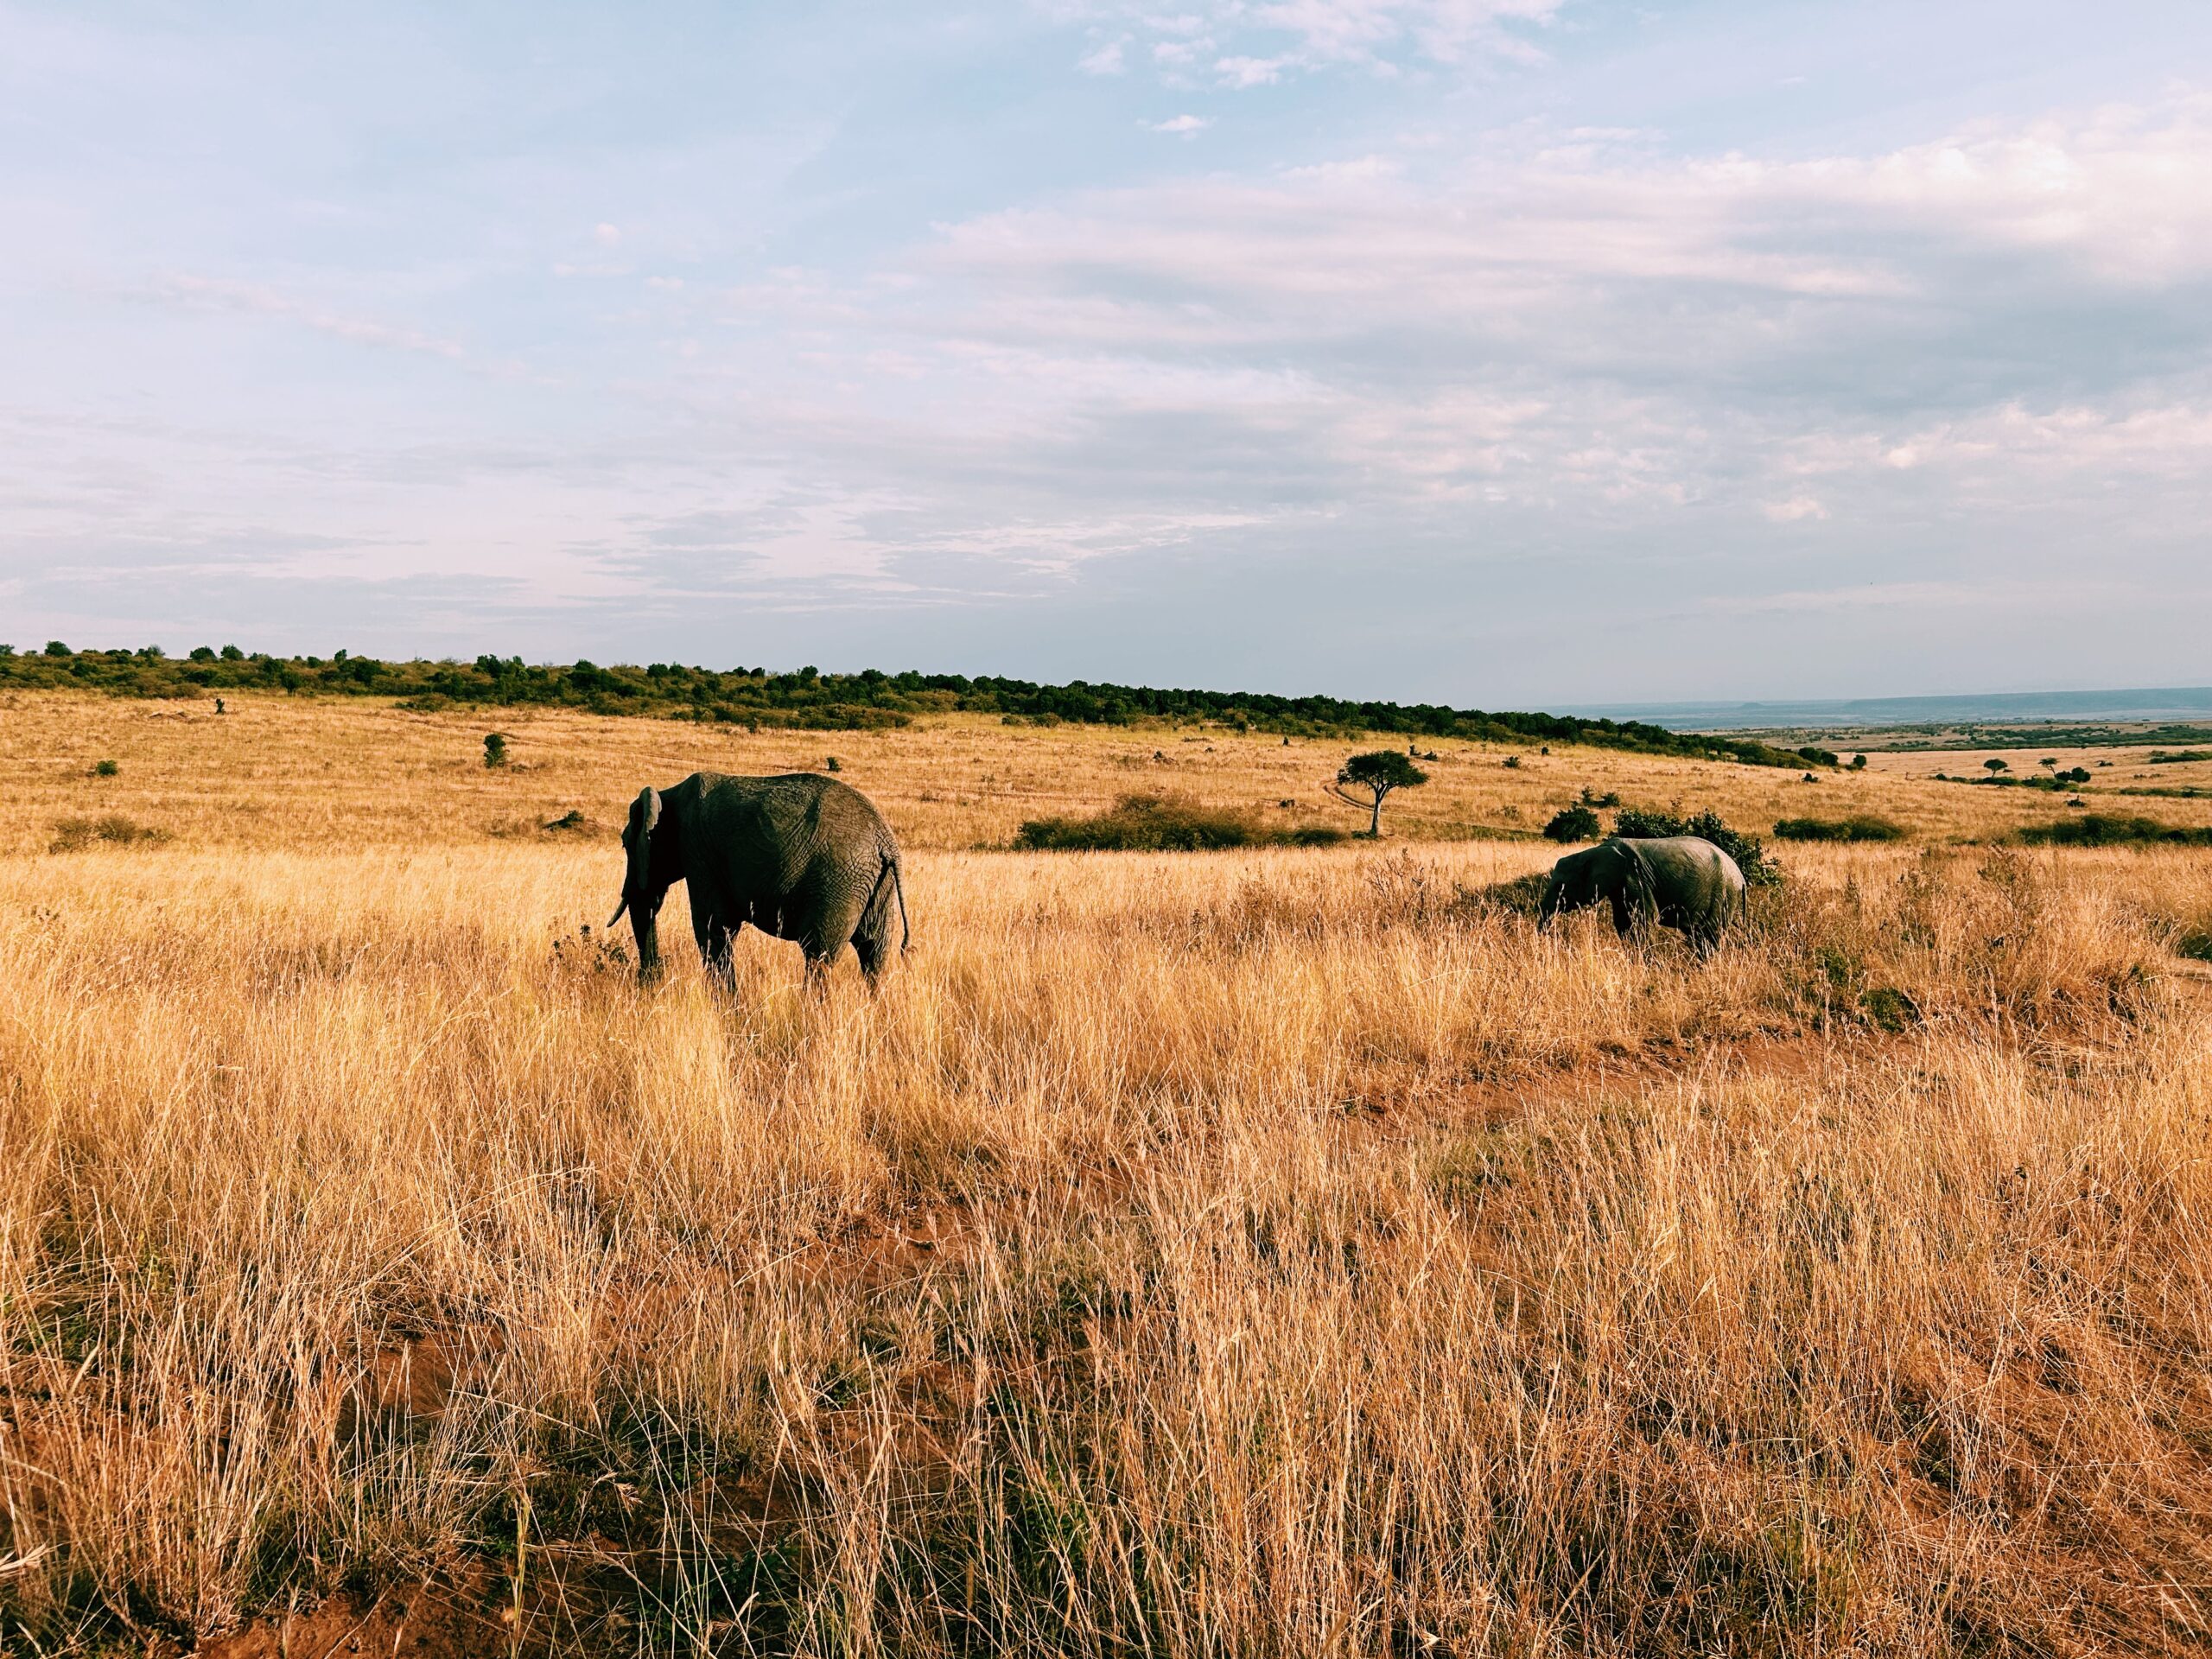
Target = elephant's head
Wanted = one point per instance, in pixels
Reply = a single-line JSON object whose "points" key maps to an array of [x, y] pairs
{"points": [[649, 840], [1613, 872], [1572, 885]]}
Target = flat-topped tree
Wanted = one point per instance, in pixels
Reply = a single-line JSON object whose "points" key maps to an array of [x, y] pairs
{"points": [[1378, 773]]}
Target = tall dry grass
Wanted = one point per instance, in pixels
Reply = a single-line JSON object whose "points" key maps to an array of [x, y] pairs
{"points": [[1270, 1253]]}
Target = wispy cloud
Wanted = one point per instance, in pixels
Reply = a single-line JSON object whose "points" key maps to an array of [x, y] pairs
{"points": [[1256, 44], [1182, 123], [256, 299]]}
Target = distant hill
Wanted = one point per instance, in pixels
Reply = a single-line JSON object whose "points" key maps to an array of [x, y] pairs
{"points": [[2151, 704], [810, 700]]}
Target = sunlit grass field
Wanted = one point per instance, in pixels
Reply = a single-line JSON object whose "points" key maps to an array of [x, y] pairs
{"points": [[1271, 1252]]}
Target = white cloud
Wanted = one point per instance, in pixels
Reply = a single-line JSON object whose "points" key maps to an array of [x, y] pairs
{"points": [[607, 235], [1182, 123], [1104, 60], [1795, 508], [1240, 72], [1177, 55]]}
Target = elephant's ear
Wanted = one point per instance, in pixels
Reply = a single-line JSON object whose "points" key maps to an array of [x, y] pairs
{"points": [[1637, 880], [637, 841]]}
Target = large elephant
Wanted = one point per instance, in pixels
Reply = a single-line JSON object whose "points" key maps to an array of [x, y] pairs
{"points": [[800, 856], [1680, 881]]}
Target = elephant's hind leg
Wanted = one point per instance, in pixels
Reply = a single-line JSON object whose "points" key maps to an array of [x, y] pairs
{"points": [[717, 941], [873, 954]]}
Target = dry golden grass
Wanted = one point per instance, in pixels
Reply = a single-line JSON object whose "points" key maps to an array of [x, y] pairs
{"points": [[1272, 1253]]}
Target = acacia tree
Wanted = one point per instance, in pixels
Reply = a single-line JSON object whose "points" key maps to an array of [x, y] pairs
{"points": [[1378, 773]]}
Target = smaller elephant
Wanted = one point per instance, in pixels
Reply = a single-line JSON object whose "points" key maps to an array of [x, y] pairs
{"points": [[800, 856], [1679, 881]]}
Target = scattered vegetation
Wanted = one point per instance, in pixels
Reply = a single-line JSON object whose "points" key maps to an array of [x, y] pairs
{"points": [[2058, 782], [1862, 826], [1166, 823], [2178, 757], [495, 749], [74, 835], [106, 768]]}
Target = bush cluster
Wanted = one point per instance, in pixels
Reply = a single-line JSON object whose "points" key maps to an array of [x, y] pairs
{"points": [[1644, 823], [1864, 826], [1153, 823], [2112, 830], [74, 835], [1576, 823]]}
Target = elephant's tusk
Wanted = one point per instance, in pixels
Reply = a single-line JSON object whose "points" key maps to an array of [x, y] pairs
{"points": [[618, 909]]}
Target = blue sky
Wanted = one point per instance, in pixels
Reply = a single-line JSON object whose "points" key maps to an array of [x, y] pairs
{"points": [[1503, 352]]}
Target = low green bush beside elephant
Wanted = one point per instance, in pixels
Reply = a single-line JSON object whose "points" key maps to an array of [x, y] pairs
{"points": [[1678, 881], [800, 856]]}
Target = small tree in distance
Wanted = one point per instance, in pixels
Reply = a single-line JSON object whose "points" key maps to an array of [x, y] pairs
{"points": [[1378, 773], [1995, 765]]}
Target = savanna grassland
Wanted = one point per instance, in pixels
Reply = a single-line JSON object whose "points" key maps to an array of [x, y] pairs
{"points": [[1267, 1252]]}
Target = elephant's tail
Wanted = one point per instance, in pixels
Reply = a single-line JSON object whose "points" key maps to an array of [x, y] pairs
{"points": [[877, 915], [905, 927]]}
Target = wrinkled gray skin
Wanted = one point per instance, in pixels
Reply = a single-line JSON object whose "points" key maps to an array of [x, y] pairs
{"points": [[800, 856], [1679, 881]]}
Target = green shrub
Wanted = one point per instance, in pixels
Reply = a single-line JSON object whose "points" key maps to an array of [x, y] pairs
{"points": [[2112, 830], [1153, 823], [2176, 757], [1647, 824], [1576, 823], [1864, 826], [74, 835], [105, 769], [495, 749]]}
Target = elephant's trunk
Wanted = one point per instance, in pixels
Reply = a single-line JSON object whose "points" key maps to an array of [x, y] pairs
{"points": [[644, 925], [641, 896]]}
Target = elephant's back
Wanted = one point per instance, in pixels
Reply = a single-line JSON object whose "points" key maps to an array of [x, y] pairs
{"points": [[798, 810], [1689, 851]]}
